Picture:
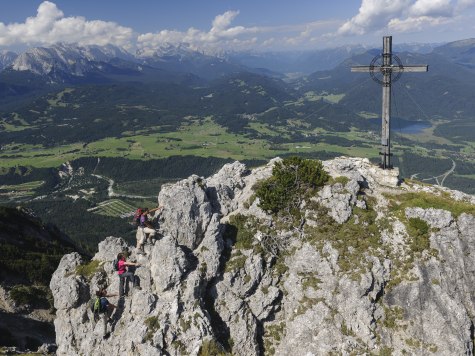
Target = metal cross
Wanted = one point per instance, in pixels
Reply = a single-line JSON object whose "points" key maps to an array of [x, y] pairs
{"points": [[386, 70]]}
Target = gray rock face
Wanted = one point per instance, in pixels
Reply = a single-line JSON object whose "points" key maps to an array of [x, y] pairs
{"points": [[187, 210], [168, 264], [110, 248], [436, 218], [337, 201], [355, 278], [222, 186]]}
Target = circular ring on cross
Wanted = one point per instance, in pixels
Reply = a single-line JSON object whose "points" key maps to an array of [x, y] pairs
{"points": [[383, 73]]}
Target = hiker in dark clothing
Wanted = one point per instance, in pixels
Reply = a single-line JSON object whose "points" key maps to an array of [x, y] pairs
{"points": [[125, 275], [105, 309]]}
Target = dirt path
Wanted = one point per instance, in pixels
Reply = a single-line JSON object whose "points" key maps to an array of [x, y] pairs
{"points": [[111, 193], [442, 177]]}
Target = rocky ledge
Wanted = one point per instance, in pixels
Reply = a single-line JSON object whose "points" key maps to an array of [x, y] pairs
{"points": [[375, 266]]}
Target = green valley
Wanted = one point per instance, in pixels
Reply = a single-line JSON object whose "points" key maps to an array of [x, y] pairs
{"points": [[88, 154]]}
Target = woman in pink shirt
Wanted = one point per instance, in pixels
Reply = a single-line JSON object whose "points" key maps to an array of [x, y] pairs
{"points": [[125, 275]]}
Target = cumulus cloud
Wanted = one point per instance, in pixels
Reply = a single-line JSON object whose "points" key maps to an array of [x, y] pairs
{"points": [[372, 15], [402, 15], [49, 26], [464, 4], [221, 36], [431, 8], [416, 23]]}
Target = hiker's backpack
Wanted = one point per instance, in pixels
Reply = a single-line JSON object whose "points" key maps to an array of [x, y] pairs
{"points": [[98, 306], [136, 220]]}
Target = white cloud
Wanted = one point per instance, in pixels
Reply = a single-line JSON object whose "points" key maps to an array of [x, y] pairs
{"points": [[373, 15], [221, 36], [464, 4], [431, 8], [402, 15], [416, 23], [50, 26]]}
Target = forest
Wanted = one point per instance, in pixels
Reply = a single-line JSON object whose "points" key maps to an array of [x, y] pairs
{"points": [[145, 134]]}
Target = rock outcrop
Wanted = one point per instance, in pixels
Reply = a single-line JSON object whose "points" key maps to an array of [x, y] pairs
{"points": [[376, 266]]}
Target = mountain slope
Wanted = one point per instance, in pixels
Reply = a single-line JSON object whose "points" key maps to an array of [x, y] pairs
{"points": [[65, 58], [26, 241], [7, 58], [30, 252], [361, 266], [459, 52], [444, 91]]}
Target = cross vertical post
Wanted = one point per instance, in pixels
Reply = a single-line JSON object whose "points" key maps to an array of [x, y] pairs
{"points": [[386, 108], [385, 71]]}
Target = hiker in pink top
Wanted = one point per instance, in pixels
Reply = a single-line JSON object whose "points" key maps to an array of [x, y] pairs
{"points": [[125, 275]]}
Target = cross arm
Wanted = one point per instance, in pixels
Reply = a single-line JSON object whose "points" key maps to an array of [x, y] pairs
{"points": [[361, 69], [416, 68], [407, 69]]}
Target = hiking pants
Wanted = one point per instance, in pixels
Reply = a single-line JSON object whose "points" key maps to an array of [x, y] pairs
{"points": [[105, 318], [142, 235], [126, 277]]}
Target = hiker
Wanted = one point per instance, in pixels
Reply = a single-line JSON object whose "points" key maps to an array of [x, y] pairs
{"points": [[145, 230], [105, 308], [125, 274]]}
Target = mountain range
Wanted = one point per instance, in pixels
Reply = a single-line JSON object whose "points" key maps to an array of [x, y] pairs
{"points": [[74, 60], [67, 94]]}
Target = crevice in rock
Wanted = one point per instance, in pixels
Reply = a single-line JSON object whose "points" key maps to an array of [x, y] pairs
{"points": [[220, 328], [261, 322], [192, 261], [371, 287], [213, 198], [472, 335], [380, 293], [260, 336]]}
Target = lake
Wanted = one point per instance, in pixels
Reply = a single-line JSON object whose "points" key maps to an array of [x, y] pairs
{"points": [[404, 126], [413, 129]]}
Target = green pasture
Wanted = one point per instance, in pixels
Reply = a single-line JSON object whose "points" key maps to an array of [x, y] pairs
{"points": [[368, 115], [313, 96], [18, 191], [23, 187], [205, 138], [12, 128], [114, 208], [57, 100]]}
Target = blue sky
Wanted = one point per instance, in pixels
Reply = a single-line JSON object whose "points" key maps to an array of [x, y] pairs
{"points": [[222, 25]]}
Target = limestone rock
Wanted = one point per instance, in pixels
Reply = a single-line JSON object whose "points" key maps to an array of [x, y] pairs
{"points": [[358, 286], [168, 264], [222, 186], [436, 218], [187, 211], [109, 248]]}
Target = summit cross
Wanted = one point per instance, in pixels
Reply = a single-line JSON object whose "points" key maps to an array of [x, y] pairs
{"points": [[383, 74]]}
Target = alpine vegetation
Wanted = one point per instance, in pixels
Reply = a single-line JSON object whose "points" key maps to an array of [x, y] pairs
{"points": [[297, 257]]}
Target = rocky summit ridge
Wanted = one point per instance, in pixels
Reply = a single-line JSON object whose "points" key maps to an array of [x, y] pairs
{"points": [[375, 266]]}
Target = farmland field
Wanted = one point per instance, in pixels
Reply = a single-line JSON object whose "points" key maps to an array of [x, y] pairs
{"points": [[114, 208]]}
